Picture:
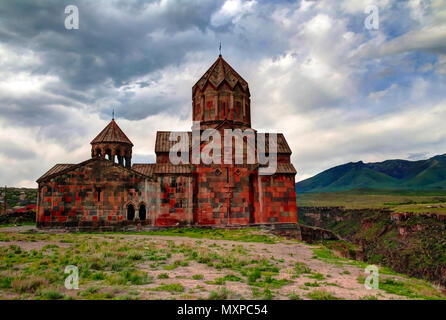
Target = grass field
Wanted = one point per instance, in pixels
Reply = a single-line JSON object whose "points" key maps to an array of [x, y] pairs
{"points": [[187, 264], [397, 201]]}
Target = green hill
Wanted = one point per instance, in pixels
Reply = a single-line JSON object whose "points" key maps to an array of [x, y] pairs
{"points": [[427, 174]]}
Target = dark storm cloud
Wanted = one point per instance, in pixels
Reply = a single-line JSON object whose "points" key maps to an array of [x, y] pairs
{"points": [[117, 42], [114, 41], [32, 110]]}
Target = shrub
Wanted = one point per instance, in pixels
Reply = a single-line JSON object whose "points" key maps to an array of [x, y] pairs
{"points": [[5, 282], [254, 275], [294, 296], [321, 295], [51, 295], [317, 276], [220, 294], [173, 287], [134, 255], [28, 285], [301, 268], [134, 277]]}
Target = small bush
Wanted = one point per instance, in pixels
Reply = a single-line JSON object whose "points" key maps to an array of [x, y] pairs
{"points": [[294, 296], [5, 282], [173, 287], [221, 294], [312, 284], [134, 255], [51, 295], [321, 295], [198, 277], [28, 285], [301, 268], [317, 276], [254, 275], [163, 276]]}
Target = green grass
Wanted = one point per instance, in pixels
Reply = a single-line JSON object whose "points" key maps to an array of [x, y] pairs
{"points": [[301, 268], [317, 276], [408, 287], [321, 294], [243, 235], [398, 201], [114, 266], [172, 287], [221, 294], [26, 223]]}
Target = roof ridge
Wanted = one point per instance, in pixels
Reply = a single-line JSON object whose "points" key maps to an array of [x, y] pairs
{"points": [[234, 76], [112, 133]]}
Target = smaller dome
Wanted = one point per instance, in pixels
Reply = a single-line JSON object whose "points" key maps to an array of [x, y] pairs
{"points": [[111, 134]]}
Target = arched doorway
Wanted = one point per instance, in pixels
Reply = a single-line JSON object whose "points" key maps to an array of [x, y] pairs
{"points": [[130, 212], [142, 212]]}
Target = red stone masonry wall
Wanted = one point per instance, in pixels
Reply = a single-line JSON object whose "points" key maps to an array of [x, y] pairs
{"points": [[94, 195], [174, 200], [278, 199]]}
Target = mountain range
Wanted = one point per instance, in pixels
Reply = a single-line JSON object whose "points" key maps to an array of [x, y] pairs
{"points": [[427, 174]]}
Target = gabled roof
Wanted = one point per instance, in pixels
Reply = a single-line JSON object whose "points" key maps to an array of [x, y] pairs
{"points": [[144, 168], [282, 145], [161, 168], [59, 169], [282, 168], [221, 71], [163, 144], [56, 169], [148, 169], [111, 133]]}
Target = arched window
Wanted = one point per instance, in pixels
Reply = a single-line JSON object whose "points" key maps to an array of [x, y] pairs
{"points": [[108, 154], [98, 152], [130, 212], [142, 212]]}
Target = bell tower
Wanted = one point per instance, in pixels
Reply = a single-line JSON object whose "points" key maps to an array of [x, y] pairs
{"points": [[221, 95], [112, 144]]}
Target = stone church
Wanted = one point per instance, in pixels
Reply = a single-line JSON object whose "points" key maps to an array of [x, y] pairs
{"points": [[108, 192]]}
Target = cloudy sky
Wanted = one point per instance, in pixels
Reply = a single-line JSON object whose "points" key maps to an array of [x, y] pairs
{"points": [[337, 90]]}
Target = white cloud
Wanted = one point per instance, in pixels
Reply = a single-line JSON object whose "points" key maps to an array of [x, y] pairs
{"points": [[232, 11]]}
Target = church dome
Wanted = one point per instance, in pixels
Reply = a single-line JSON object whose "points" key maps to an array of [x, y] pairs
{"points": [[112, 144], [112, 133]]}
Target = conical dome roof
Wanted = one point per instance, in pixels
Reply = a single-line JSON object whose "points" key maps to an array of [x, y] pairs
{"points": [[217, 73], [112, 134]]}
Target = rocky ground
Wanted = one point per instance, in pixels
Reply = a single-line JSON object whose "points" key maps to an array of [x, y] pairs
{"points": [[187, 264]]}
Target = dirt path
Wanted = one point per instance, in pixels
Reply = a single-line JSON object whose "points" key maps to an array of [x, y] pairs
{"points": [[339, 278]]}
